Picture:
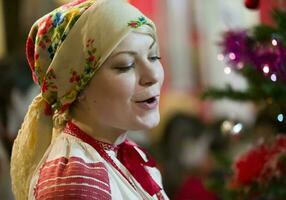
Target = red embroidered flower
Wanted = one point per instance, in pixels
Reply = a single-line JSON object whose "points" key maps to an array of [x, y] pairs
{"points": [[73, 3], [42, 45], [51, 74], [133, 24], [75, 77], [54, 87], [36, 56], [45, 25], [89, 43], [138, 22], [48, 40], [65, 107], [44, 86], [91, 58]]}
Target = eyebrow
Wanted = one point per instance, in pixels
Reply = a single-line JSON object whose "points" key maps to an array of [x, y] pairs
{"points": [[134, 53]]}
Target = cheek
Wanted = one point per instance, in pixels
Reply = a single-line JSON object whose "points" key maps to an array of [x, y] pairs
{"points": [[121, 87], [111, 102], [114, 91]]}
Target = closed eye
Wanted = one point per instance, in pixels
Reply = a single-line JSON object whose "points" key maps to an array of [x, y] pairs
{"points": [[154, 58], [124, 68]]}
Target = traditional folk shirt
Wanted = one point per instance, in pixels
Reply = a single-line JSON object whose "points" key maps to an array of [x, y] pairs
{"points": [[73, 169]]}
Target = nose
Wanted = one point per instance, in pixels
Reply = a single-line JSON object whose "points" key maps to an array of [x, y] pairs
{"points": [[149, 74]]}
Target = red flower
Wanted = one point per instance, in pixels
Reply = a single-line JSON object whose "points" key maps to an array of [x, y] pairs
{"points": [[54, 87], [73, 3], [133, 24], [45, 25], [249, 166], [91, 58], [42, 45], [64, 107], [260, 164], [44, 86], [51, 74], [75, 77], [36, 56]]}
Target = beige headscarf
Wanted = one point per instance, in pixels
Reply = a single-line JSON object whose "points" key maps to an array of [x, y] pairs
{"points": [[64, 50]]}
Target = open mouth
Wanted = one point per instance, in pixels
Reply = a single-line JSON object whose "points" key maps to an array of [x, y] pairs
{"points": [[150, 100], [148, 104]]}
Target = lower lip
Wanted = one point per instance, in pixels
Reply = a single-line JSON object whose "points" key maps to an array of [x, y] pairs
{"points": [[148, 106]]}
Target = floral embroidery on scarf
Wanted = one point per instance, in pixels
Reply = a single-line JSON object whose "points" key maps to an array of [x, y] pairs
{"points": [[75, 77], [138, 22], [58, 19], [51, 74], [51, 31], [54, 28], [48, 81], [90, 64], [51, 88], [46, 39], [91, 50], [83, 79], [73, 3], [45, 25], [44, 86]]}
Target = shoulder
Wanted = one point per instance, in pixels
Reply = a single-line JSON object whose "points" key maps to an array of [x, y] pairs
{"points": [[70, 178], [69, 173]]}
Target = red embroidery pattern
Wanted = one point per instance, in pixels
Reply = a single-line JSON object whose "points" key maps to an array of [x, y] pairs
{"points": [[100, 146], [72, 178]]}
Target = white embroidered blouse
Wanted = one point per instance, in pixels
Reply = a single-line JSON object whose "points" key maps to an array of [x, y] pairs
{"points": [[74, 169]]}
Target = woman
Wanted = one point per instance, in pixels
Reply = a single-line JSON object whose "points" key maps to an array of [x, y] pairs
{"points": [[97, 63]]}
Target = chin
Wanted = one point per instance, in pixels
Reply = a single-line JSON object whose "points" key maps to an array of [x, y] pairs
{"points": [[148, 122]]}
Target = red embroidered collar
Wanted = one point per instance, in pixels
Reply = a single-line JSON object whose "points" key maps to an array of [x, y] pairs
{"points": [[126, 154], [73, 130]]}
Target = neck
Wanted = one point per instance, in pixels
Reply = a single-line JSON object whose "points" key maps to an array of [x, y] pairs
{"points": [[95, 129], [92, 126], [99, 132]]}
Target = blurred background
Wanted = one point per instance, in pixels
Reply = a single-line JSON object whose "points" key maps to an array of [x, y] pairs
{"points": [[198, 138]]}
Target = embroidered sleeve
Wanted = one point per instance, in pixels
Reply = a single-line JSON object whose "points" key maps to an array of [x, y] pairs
{"points": [[72, 178]]}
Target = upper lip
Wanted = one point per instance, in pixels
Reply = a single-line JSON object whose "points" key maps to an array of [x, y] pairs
{"points": [[146, 98], [147, 93]]}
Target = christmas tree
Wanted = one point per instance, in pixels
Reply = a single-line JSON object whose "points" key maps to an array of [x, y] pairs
{"points": [[259, 55]]}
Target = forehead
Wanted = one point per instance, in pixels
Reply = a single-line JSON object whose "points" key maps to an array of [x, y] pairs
{"points": [[137, 42]]}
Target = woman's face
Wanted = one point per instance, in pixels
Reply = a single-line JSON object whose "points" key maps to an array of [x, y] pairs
{"points": [[125, 92]]}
